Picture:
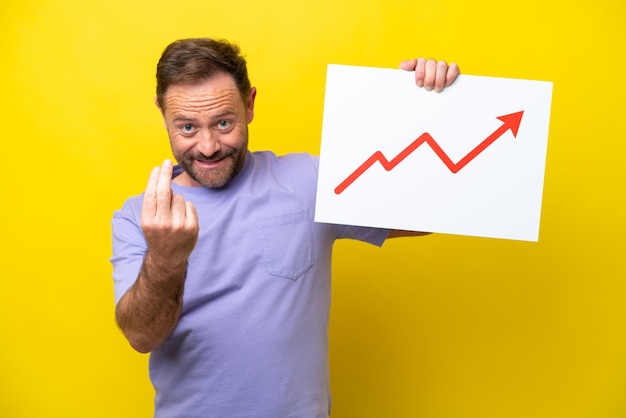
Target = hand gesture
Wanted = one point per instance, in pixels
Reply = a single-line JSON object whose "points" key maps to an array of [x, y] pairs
{"points": [[169, 223], [431, 74]]}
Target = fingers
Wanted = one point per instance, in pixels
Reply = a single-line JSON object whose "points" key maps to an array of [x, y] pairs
{"points": [[440, 76], [191, 216], [408, 65], [178, 211], [148, 208], [183, 214], [452, 73], [160, 203], [164, 189], [431, 74], [158, 195], [169, 223], [420, 72]]}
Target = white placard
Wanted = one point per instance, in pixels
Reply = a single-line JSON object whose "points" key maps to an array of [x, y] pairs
{"points": [[467, 161]]}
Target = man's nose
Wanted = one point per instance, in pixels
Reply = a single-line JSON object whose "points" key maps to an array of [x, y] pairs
{"points": [[208, 143]]}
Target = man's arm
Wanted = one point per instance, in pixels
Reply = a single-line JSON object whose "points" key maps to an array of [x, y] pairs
{"points": [[149, 311]]}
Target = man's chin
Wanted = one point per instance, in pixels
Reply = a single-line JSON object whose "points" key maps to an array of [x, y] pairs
{"points": [[213, 178]]}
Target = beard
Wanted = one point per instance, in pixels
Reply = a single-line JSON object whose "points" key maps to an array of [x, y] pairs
{"points": [[232, 161]]}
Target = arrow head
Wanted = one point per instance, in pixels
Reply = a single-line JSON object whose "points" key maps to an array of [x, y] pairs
{"points": [[512, 121]]}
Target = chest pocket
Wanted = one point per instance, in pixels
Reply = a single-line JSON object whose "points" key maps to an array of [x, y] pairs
{"points": [[287, 244]]}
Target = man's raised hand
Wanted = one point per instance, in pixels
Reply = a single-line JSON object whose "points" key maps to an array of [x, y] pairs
{"points": [[150, 309], [169, 223]]}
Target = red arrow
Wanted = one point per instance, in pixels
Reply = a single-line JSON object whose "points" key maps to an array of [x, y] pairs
{"points": [[510, 121]]}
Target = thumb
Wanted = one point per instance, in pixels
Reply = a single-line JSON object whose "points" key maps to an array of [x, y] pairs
{"points": [[408, 65]]}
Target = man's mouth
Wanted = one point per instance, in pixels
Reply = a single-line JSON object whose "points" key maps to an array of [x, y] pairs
{"points": [[212, 161]]}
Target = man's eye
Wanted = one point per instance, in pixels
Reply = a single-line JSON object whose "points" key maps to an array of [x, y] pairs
{"points": [[224, 124], [188, 128]]}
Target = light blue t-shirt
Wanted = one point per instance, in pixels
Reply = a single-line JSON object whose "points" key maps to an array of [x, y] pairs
{"points": [[252, 337]]}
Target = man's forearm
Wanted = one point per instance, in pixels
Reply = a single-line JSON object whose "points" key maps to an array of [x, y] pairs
{"points": [[149, 311]]}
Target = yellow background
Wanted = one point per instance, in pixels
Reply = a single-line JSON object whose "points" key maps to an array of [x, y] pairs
{"points": [[443, 326]]}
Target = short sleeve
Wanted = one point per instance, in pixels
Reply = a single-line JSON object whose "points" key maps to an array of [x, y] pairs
{"points": [[129, 246], [375, 236]]}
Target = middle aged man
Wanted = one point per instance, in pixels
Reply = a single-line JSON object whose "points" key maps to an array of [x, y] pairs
{"points": [[220, 271]]}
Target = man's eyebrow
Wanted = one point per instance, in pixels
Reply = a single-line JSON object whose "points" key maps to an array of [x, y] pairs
{"points": [[181, 118], [227, 112]]}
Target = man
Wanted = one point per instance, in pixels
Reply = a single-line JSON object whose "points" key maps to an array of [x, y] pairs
{"points": [[220, 271]]}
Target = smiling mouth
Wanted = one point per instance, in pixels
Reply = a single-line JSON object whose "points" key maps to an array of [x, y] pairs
{"points": [[211, 163], [215, 158]]}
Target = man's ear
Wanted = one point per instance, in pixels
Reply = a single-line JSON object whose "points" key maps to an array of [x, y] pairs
{"points": [[250, 104]]}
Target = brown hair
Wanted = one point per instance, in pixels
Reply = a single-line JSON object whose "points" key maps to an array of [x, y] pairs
{"points": [[193, 60]]}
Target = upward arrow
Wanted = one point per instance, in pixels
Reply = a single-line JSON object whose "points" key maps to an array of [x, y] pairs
{"points": [[510, 121]]}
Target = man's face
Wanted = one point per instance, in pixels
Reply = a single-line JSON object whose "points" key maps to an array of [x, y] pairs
{"points": [[207, 123]]}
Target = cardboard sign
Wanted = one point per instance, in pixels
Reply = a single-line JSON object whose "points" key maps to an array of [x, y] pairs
{"points": [[467, 161]]}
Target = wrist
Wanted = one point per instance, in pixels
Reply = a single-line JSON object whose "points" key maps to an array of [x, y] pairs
{"points": [[166, 262]]}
